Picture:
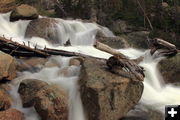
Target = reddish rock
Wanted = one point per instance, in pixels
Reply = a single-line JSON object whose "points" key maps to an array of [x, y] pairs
{"points": [[5, 100], [7, 67], [105, 95], [11, 114], [24, 12], [7, 5], [50, 103]]}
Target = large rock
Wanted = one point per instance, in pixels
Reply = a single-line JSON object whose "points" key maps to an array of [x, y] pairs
{"points": [[49, 102], [7, 5], [24, 12], [105, 95], [5, 100], [7, 67], [114, 42], [11, 114], [137, 39], [170, 69], [44, 28]]}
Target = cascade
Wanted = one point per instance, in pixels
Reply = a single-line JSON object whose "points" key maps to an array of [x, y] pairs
{"points": [[82, 36]]}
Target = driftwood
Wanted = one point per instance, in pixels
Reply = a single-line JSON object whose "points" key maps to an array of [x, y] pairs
{"points": [[118, 63], [165, 48], [19, 50], [125, 67]]}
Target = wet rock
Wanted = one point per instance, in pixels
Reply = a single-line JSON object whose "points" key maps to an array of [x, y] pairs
{"points": [[114, 42], [137, 39], [105, 95], [44, 28], [5, 100], [141, 112], [7, 67], [11, 114], [76, 61], [31, 64], [24, 12], [7, 5], [170, 69], [49, 102]]}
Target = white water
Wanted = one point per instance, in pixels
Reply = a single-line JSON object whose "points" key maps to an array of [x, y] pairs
{"points": [[156, 94]]}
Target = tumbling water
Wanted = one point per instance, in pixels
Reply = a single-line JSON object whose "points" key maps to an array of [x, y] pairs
{"points": [[156, 94]]}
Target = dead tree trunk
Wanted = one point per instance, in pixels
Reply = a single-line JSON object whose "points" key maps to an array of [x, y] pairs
{"points": [[165, 48]]}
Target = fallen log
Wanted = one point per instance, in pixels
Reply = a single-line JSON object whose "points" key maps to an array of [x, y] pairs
{"points": [[125, 67], [118, 63], [19, 50], [165, 48], [16, 49]]}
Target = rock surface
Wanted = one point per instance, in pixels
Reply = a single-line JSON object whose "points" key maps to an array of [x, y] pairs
{"points": [[170, 69], [7, 67], [24, 12], [11, 114], [31, 64], [7, 5], [105, 95], [137, 39], [44, 28], [114, 42], [49, 102], [5, 100]]}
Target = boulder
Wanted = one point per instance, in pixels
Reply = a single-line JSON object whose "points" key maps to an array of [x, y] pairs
{"points": [[170, 69], [7, 67], [137, 39], [5, 100], [105, 95], [24, 12], [49, 102], [44, 28], [114, 42], [11, 114], [7, 5]]}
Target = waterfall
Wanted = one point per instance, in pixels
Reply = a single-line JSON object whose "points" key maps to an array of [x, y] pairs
{"points": [[82, 36]]}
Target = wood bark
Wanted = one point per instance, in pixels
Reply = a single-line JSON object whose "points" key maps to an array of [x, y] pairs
{"points": [[165, 48]]}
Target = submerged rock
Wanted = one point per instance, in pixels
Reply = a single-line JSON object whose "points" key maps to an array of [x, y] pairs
{"points": [[24, 12], [50, 103], [31, 64], [5, 100], [7, 67], [11, 114], [141, 112], [44, 28], [105, 95], [170, 69]]}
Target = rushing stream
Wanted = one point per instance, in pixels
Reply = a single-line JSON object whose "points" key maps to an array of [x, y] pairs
{"points": [[82, 35]]}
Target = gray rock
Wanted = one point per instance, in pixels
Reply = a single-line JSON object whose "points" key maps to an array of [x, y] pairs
{"points": [[44, 28], [170, 69]]}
